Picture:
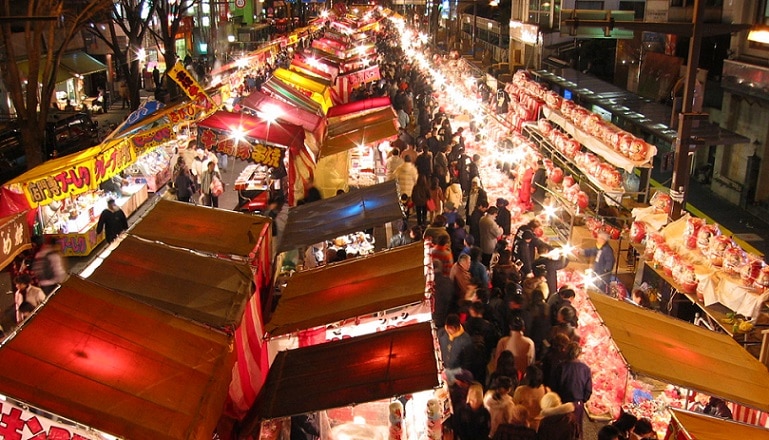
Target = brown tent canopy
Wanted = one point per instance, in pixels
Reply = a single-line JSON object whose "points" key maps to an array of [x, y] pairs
{"points": [[702, 427], [340, 373], [362, 130], [203, 229], [205, 289], [349, 289], [677, 352], [118, 365], [350, 212]]}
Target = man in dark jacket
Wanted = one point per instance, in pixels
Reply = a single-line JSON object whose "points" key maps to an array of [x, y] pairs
{"points": [[474, 221], [444, 300], [604, 260], [538, 185], [574, 382], [503, 216], [112, 221]]}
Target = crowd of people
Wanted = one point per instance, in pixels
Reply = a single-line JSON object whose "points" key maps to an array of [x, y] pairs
{"points": [[507, 332]]}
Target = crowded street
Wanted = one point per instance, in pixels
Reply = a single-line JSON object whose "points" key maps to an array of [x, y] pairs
{"points": [[349, 233]]}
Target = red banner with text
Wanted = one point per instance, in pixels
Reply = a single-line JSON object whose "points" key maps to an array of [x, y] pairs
{"points": [[256, 152]]}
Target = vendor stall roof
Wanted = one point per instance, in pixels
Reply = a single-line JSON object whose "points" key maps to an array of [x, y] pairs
{"points": [[351, 108], [204, 289], [284, 112], [340, 373], [353, 211], [635, 109], [363, 130], [349, 289], [656, 345], [282, 134], [284, 91], [313, 83], [702, 427], [119, 366], [199, 228]]}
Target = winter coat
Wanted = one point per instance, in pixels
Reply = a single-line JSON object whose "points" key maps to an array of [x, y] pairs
{"points": [[498, 408], [558, 423], [406, 176]]}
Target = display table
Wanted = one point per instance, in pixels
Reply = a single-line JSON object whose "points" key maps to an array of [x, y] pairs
{"points": [[253, 178], [83, 241], [730, 291], [153, 168]]}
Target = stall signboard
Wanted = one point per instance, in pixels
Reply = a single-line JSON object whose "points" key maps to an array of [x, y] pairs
{"points": [[256, 152], [81, 176], [191, 87], [14, 238], [20, 424], [144, 141]]}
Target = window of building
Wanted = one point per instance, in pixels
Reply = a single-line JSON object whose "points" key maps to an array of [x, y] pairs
{"points": [[638, 8], [597, 5]]}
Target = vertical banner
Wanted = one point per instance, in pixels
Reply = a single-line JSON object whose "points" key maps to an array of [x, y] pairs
{"points": [[191, 87]]}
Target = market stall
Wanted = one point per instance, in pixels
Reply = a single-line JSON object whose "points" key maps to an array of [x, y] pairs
{"points": [[314, 125], [286, 92], [318, 90], [87, 355], [69, 198], [370, 368], [256, 140], [205, 289], [351, 80], [350, 289], [685, 425], [350, 155], [349, 212], [666, 349]]}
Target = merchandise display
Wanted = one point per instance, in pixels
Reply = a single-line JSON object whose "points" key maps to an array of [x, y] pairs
{"points": [[362, 167], [154, 168], [73, 221]]}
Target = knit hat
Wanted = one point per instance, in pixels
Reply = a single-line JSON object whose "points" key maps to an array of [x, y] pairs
{"points": [[550, 400]]}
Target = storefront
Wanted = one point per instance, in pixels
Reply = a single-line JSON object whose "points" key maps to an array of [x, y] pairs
{"points": [[371, 368], [351, 80]]}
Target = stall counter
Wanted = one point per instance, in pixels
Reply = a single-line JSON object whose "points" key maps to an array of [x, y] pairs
{"points": [[84, 241]]}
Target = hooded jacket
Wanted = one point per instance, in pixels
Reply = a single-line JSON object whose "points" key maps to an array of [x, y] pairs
{"points": [[558, 423]]}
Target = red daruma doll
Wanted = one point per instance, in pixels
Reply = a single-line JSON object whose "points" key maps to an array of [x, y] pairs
{"points": [[750, 271], [693, 226]]}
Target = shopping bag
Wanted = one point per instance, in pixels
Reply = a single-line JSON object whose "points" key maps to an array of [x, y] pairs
{"points": [[217, 187]]}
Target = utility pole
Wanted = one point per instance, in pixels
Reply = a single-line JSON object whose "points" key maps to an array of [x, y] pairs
{"points": [[685, 145]]}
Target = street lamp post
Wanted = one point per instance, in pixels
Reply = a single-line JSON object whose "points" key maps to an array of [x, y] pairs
{"points": [[475, 27]]}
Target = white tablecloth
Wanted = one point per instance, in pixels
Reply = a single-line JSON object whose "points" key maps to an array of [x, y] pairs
{"points": [[729, 291]]}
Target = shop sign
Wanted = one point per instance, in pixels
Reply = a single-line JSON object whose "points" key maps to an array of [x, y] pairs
{"points": [[191, 87], [268, 155], [14, 238], [19, 424], [80, 177], [144, 141], [355, 79]]}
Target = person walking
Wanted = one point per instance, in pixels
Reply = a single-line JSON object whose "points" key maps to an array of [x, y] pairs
{"points": [[211, 186], [26, 296], [420, 195], [604, 260], [490, 232], [49, 267], [112, 221]]}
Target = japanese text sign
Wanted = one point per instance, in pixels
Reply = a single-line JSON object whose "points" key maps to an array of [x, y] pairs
{"points": [[256, 152], [187, 83], [14, 238], [19, 424]]}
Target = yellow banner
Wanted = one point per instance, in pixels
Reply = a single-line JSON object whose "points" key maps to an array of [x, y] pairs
{"points": [[145, 140], [80, 176], [191, 87]]}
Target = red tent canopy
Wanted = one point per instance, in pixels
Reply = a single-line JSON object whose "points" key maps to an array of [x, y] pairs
{"points": [[261, 102], [118, 365], [358, 107], [286, 135]]}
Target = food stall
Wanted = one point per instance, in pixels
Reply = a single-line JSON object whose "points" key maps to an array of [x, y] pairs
{"points": [[69, 196], [153, 167], [375, 368], [103, 370], [349, 81], [351, 155], [256, 140], [282, 90], [652, 345]]}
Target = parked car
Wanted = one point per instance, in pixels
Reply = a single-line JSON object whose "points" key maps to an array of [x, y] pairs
{"points": [[13, 161], [68, 133]]}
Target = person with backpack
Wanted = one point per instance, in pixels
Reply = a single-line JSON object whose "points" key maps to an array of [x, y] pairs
{"points": [[48, 266]]}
